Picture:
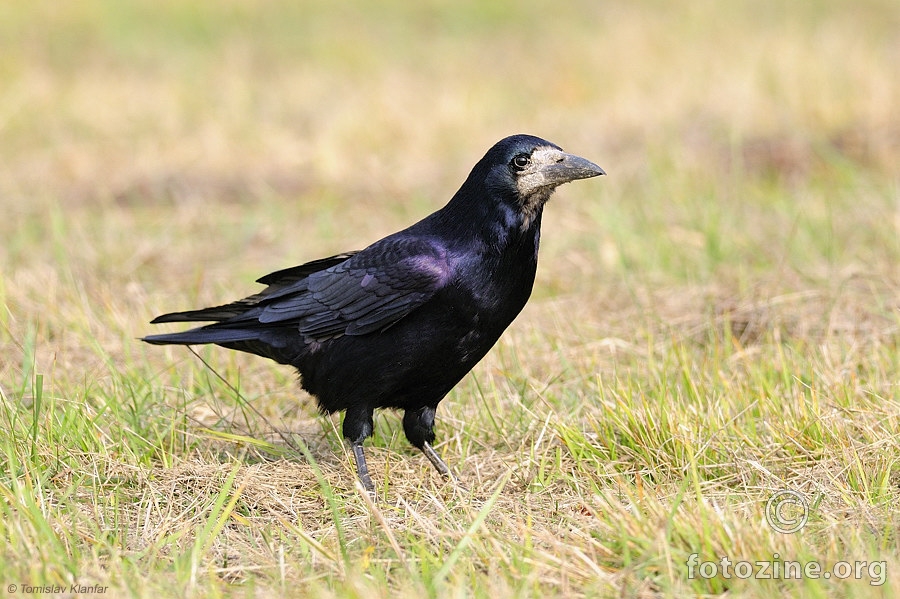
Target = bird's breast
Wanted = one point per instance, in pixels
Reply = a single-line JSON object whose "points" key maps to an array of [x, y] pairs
{"points": [[488, 298]]}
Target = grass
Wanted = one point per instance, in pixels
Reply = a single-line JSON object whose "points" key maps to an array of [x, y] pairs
{"points": [[715, 321]]}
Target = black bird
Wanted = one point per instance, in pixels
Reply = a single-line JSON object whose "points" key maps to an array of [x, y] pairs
{"points": [[398, 324]]}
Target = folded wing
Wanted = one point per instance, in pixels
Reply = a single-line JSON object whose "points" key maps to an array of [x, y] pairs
{"points": [[348, 294]]}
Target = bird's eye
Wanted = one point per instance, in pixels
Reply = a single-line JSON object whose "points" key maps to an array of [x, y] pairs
{"points": [[521, 161]]}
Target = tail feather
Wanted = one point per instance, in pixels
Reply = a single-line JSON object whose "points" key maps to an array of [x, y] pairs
{"points": [[236, 325], [217, 313], [201, 336], [279, 283], [271, 344]]}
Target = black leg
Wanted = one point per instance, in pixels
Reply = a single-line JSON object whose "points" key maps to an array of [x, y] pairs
{"points": [[358, 426], [419, 428], [435, 459], [362, 470]]}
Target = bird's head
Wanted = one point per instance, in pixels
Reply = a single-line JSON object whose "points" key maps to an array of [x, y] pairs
{"points": [[522, 171]]}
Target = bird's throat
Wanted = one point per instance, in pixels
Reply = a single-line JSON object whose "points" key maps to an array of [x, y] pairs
{"points": [[532, 206]]}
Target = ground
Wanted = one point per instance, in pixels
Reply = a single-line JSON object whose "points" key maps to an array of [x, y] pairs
{"points": [[715, 322]]}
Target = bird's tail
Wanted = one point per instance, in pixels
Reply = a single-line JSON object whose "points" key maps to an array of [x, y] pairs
{"points": [[234, 323], [270, 344], [217, 313], [202, 335]]}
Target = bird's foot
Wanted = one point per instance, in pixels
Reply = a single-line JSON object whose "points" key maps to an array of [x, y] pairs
{"points": [[440, 465]]}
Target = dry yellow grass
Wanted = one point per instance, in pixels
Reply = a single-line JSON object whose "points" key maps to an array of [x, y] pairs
{"points": [[719, 321]]}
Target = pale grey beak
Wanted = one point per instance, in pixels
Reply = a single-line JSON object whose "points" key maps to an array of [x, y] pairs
{"points": [[570, 167]]}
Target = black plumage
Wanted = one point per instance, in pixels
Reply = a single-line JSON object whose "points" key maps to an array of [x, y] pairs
{"points": [[398, 324]]}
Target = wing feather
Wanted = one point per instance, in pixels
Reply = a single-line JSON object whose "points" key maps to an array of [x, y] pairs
{"points": [[370, 291], [349, 294]]}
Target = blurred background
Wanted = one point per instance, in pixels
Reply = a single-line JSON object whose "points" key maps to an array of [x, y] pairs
{"points": [[161, 155], [722, 127], [732, 285], [158, 155]]}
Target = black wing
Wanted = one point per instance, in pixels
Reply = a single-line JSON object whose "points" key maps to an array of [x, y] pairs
{"points": [[368, 292], [295, 273], [352, 294], [276, 282]]}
